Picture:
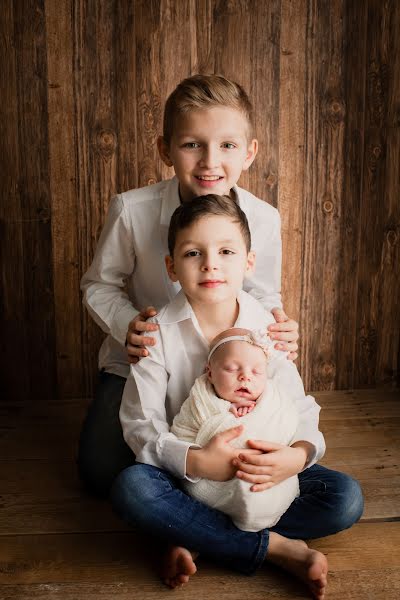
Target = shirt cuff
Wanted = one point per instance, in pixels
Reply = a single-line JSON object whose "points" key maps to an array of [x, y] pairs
{"points": [[317, 452], [120, 324], [174, 453]]}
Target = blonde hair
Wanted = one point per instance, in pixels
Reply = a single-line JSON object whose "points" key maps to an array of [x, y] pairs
{"points": [[205, 91]]}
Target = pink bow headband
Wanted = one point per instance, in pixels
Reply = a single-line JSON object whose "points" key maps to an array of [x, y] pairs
{"points": [[256, 337]]}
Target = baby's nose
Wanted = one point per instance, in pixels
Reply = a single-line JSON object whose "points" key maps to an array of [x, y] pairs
{"points": [[244, 375]]}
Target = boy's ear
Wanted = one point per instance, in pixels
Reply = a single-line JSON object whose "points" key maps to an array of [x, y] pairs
{"points": [[252, 150], [163, 150], [251, 262], [169, 263]]}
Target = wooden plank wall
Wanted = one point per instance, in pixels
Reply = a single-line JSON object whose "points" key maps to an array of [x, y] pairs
{"points": [[83, 84]]}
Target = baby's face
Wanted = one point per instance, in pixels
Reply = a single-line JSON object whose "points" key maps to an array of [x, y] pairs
{"points": [[238, 371]]}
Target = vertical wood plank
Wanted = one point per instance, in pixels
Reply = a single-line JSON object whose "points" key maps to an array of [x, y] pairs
{"points": [[177, 54], [291, 152], [84, 89], [13, 347], [62, 152], [325, 112], [96, 143], [125, 96], [354, 56], [379, 285], [203, 31], [232, 30], [33, 184], [263, 88], [149, 110]]}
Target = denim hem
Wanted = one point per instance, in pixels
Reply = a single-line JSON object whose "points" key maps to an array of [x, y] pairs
{"points": [[260, 553]]}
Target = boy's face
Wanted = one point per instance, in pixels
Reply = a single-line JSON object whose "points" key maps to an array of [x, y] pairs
{"points": [[209, 150], [238, 371], [210, 260]]}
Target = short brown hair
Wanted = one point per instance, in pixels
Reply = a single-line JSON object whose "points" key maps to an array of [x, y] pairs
{"points": [[191, 211], [205, 91]]}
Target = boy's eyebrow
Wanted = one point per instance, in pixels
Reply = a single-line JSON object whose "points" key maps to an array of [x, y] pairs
{"points": [[191, 134], [229, 242]]}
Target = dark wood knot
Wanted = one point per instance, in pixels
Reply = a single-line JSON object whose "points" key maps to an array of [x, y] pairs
{"points": [[392, 237], [106, 143], [271, 180], [374, 154], [327, 371], [335, 110], [327, 206]]}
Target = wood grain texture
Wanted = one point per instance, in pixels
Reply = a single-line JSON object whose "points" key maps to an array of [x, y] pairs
{"points": [[379, 284], [14, 335], [85, 84], [88, 566], [231, 29], [324, 161], [56, 542], [64, 209], [126, 103], [33, 181], [264, 89], [354, 53], [291, 150]]}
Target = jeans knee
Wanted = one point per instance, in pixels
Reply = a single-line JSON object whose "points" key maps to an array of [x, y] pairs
{"points": [[136, 491], [350, 502]]}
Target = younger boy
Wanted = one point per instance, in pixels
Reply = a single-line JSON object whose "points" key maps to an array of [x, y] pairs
{"points": [[209, 243], [208, 138]]}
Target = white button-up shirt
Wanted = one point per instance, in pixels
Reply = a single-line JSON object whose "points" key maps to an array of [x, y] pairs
{"points": [[158, 385], [128, 271]]}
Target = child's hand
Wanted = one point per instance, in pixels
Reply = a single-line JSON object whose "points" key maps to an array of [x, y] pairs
{"points": [[135, 341], [284, 330], [215, 460], [275, 464]]}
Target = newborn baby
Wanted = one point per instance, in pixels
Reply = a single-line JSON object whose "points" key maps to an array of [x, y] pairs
{"points": [[236, 386]]}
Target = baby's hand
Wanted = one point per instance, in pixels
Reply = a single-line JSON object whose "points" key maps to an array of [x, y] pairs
{"points": [[241, 410]]}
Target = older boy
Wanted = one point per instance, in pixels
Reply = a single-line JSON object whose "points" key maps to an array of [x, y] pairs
{"points": [[208, 139], [209, 243]]}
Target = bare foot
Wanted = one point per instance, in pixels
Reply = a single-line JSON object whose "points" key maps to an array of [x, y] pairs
{"points": [[178, 566], [296, 557]]}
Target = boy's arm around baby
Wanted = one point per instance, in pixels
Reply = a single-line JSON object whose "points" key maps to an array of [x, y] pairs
{"points": [[143, 415]]}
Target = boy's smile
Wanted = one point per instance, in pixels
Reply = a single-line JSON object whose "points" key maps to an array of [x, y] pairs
{"points": [[210, 260], [209, 150]]}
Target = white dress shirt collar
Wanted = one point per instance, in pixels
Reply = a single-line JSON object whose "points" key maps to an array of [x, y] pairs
{"points": [[179, 309], [169, 200]]}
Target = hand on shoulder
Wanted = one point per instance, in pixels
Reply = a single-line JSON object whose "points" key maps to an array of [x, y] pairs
{"points": [[136, 343], [286, 332]]}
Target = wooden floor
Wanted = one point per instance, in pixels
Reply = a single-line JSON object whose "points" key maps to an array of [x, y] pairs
{"points": [[56, 542]]}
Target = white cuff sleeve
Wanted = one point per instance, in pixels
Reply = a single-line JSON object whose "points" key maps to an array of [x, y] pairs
{"points": [[319, 447], [120, 324], [173, 457]]}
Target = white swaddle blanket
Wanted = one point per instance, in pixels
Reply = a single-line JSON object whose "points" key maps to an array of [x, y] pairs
{"points": [[274, 419]]}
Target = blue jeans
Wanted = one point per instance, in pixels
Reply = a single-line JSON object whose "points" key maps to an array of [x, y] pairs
{"points": [[103, 453], [151, 499]]}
